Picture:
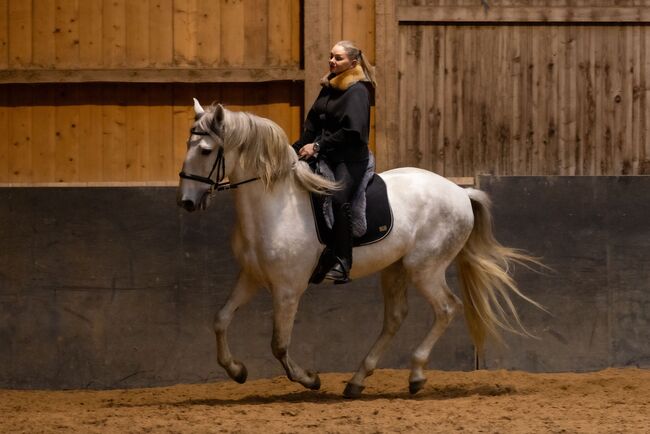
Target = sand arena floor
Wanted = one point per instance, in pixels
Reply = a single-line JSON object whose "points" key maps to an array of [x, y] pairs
{"points": [[610, 401]]}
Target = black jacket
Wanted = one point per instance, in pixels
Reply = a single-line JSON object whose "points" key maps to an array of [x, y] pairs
{"points": [[339, 121]]}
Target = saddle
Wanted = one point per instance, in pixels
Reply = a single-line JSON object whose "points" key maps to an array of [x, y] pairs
{"points": [[372, 217]]}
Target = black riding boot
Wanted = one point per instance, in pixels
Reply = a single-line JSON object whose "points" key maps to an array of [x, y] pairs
{"points": [[340, 272]]}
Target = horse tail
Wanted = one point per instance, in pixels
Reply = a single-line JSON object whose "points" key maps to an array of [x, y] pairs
{"points": [[486, 284], [311, 181]]}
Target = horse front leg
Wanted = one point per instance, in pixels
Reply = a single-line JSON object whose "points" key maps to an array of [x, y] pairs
{"points": [[244, 290], [285, 306]]}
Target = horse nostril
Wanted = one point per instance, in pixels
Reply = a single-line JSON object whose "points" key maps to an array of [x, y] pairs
{"points": [[188, 205]]}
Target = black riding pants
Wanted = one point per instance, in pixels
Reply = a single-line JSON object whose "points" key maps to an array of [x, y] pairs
{"points": [[349, 174]]}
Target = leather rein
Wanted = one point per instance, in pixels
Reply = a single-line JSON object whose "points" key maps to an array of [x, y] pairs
{"points": [[219, 167]]}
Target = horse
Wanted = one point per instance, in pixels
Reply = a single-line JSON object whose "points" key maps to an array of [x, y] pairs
{"points": [[436, 222]]}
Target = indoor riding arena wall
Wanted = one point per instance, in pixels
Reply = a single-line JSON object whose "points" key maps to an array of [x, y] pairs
{"points": [[117, 287]]}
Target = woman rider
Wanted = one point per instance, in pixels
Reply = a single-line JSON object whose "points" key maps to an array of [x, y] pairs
{"points": [[336, 131]]}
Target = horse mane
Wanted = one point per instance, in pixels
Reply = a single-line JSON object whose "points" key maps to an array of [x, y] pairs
{"points": [[264, 149]]}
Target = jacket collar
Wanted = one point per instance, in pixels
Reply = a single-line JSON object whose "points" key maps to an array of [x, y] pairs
{"points": [[345, 79]]}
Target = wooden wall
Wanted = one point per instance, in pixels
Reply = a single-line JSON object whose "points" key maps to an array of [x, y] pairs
{"points": [[101, 90], [518, 88]]}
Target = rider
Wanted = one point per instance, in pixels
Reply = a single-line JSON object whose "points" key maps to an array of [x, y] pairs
{"points": [[336, 131]]}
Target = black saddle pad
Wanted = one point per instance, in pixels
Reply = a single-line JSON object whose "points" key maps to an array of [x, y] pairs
{"points": [[378, 215]]}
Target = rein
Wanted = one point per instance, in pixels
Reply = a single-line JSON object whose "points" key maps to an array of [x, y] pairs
{"points": [[220, 167]]}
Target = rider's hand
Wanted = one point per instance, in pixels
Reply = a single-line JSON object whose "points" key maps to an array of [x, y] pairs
{"points": [[307, 151]]}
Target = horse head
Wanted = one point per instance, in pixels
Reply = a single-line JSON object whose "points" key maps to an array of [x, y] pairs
{"points": [[204, 166]]}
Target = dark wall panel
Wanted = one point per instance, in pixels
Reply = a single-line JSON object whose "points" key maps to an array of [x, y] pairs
{"points": [[594, 233], [117, 287]]}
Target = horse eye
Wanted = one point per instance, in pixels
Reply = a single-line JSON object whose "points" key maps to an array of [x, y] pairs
{"points": [[205, 151]]}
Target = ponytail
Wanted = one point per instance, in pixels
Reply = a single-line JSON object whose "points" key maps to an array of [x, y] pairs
{"points": [[356, 54]]}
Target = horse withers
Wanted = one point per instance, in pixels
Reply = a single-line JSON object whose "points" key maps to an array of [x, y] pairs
{"points": [[276, 245]]}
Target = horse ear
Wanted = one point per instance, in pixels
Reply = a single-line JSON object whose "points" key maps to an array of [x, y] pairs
{"points": [[218, 113], [197, 108]]}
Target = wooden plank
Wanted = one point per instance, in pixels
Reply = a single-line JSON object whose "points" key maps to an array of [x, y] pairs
{"points": [[568, 103], [208, 33], [114, 33], [232, 33], [437, 99], [5, 112], [645, 102], [103, 184], [521, 14], [317, 46], [91, 130], [182, 119], [336, 21], [67, 34], [4, 35], [45, 33], [20, 33], [280, 33], [91, 53], [161, 132], [635, 111], [19, 152], [150, 75], [256, 32], [44, 134], [137, 34], [386, 99], [66, 157], [517, 74], [161, 41], [137, 132], [296, 33], [113, 125], [359, 25], [185, 25]]}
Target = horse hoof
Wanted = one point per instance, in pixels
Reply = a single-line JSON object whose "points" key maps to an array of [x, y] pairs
{"points": [[242, 375], [416, 386], [353, 391], [315, 384]]}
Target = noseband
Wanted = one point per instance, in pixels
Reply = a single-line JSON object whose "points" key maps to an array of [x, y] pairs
{"points": [[219, 167]]}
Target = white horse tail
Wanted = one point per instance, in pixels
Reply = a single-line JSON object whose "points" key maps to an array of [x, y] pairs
{"points": [[312, 182], [486, 284]]}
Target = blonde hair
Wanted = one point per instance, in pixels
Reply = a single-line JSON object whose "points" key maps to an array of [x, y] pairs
{"points": [[355, 53]]}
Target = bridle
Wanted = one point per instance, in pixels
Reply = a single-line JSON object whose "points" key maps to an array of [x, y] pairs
{"points": [[219, 167]]}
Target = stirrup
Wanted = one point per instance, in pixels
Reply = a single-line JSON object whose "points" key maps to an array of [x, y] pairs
{"points": [[338, 274]]}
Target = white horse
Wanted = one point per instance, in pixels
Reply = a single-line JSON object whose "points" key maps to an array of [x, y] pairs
{"points": [[276, 245]]}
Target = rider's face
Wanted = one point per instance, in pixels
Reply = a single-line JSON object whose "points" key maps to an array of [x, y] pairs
{"points": [[340, 61]]}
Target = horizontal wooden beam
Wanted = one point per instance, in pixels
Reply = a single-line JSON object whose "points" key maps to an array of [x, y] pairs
{"points": [[151, 75], [479, 14], [89, 184]]}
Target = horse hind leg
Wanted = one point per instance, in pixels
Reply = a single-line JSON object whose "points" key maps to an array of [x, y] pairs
{"points": [[244, 290], [394, 284], [432, 285]]}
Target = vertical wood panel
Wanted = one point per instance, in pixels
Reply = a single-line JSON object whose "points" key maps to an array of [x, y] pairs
{"points": [[20, 33], [114, 33], [256, 32], [280, 34], [137, 133], [67, 33], [161, 129], [208, 35], [91, 53], [91, 132], [161, 35], [232, 32], [645, 101], [44, 134], [5, 113], [66, 158], [45, 33], [4, 33], [185, 21], [114, 139], [182, 118], [19, 151], [137, 34]]}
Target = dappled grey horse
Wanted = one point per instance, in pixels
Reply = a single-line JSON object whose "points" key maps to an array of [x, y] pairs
{"points": [[276, 245]]}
